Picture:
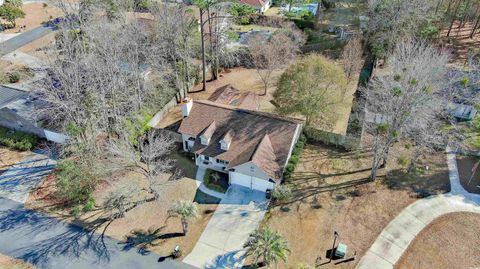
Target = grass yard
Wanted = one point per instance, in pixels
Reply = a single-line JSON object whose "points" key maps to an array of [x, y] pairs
{"points": [[273, 11], [331, 192], [11, 263], [450, 241], [147, 226], [9, 157], [36, 14], [253, 27]]}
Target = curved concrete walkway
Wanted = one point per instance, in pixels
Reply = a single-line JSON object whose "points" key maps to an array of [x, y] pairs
{"points": [[399, 233]]}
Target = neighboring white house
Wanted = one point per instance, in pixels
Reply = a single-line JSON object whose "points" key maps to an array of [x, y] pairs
{"points": [[260, 5], [252, 147]]}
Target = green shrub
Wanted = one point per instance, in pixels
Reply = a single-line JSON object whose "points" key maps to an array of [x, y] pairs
{"points": [[290, 167], [303, 24], [294, 160], [17, 140], [14, 77], [403, 161], [242, 13], [328, 4], [76, 211], [209, 181], [90, 205], [282, 193], [75, 184]]}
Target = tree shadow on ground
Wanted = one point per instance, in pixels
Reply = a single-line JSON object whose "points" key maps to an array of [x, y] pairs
{"points": [[48, 237], [143, 239], [422, 185]]}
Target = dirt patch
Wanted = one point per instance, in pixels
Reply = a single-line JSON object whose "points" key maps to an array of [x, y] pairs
{"points": [[35, 15], [10, 157], [22, 72], [332, 192], [11, 263], [450, 241], [42, 48], [465, 166]]}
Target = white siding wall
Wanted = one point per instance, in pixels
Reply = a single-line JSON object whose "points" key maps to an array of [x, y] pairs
{"points": [[185, 139], [211, 163]]}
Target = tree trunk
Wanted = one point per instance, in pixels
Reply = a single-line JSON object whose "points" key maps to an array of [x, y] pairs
{"points": [[212, 53], [475, 27], [184, 226], [449, 6], [465, 12], [440, 2], [454, 17], [413, 161], [202, 37]]}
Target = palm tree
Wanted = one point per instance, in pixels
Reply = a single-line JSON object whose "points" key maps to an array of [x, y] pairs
{"points": [[268, 245], [185, 210]]}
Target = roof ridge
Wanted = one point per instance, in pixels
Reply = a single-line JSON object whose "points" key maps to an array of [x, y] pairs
{"points": [[258, 113]]}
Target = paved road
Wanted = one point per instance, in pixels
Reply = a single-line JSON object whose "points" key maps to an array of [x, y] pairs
{"points": [[402, 230], [236, 217], [23, 39], [52, 244]]}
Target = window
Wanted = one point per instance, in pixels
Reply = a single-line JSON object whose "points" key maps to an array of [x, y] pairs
{"points": [[222, 161], [206, 158]]}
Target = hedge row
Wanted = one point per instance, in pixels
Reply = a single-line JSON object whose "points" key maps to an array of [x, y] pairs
{"points": [[292, 163], [17, 140]]}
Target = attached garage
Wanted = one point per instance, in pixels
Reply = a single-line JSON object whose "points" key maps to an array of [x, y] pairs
{"points": [[253, 183]]}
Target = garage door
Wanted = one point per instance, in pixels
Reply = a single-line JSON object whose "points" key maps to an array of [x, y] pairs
{"points": [[250, 182]]}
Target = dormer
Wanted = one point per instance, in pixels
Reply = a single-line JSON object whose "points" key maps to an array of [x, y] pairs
{"points": [[207, 134], [226, 141]]}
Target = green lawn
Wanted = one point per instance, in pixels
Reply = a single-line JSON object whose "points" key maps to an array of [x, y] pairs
{"points": [[184, 163]]}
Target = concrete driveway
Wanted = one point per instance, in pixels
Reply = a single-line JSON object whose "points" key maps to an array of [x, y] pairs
{"points": [[17, 182], [237, 216]]}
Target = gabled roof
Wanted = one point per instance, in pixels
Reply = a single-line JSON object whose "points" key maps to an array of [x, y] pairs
{"points": [[265, 158], [227, 138], [255, 3], [229, 95], [208, 133], [262, 138]]}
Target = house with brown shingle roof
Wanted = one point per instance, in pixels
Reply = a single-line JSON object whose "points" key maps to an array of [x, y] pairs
{"points": [[252, 147], [260, 5]]}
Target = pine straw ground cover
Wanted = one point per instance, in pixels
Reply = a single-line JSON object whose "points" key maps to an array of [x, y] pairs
{"points": [[331, 192], [450, 241]]}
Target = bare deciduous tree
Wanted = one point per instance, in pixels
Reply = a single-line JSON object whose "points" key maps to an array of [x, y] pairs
{"points": [[271, 54], [404, 96]]}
